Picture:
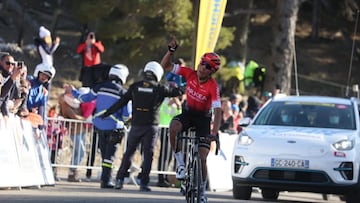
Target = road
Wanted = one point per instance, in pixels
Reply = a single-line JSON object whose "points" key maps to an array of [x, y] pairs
{"points": [[90, 192]]}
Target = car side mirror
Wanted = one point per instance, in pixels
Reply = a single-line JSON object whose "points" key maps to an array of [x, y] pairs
{"points": [[244, 122]]}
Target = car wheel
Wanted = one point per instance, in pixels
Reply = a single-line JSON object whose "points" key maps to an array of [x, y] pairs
{"points": [[269, 194], [242, 192]]}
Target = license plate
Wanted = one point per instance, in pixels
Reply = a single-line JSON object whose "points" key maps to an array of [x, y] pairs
{"points": [[289, 163]]}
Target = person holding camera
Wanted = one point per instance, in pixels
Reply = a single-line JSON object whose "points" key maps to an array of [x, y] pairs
{"points": [[110, 130], [90, 49], [11, 72]]}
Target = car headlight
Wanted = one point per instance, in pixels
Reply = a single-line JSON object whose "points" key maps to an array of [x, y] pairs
{"points": [[245, 139], [344, 145]]}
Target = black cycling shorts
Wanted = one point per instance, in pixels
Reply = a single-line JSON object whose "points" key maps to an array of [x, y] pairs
{"points": [[201, 124]]}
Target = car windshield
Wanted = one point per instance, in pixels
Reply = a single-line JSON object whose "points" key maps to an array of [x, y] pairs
{"points": [[307, 114]]}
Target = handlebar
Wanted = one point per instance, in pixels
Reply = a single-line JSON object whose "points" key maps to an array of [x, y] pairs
{"points": [[209, 137]]}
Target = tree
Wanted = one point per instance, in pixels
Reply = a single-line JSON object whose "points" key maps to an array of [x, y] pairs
{"points": [[140, 27], [282, 48], [241, 21]]}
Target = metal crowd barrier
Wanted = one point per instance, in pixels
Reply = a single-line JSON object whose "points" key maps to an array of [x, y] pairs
{"points": [[59, 131]]}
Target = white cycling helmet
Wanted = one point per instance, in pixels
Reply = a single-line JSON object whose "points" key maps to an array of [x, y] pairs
{"points": [[155, 68], [120, 71], [46, 69]]}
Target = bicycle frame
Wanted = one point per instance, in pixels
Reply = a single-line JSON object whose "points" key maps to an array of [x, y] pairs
{"points": [[193, 176]]}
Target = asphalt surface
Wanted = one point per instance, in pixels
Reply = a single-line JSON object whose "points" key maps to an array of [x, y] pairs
{"points": [[64, 191]]}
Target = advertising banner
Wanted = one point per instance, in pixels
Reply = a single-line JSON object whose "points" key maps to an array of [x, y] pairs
{"points": [[211, 13]]}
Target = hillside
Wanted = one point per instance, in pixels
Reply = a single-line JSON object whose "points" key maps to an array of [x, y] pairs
{"points": [[322, 64]]}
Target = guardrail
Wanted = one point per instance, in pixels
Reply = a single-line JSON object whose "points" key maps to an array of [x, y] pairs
{"points": [[60, 130]]}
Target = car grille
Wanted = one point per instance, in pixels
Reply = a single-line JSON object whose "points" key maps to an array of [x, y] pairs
{"points": [[290, 175]]}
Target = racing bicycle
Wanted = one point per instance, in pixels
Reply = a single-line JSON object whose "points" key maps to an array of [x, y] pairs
{"points": [[191, 186]]}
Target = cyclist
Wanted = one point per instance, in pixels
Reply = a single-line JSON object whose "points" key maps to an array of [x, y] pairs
{"points": [[202, 95]]}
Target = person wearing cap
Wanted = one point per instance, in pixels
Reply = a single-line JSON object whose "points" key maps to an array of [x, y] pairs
{"points": [[38, 93], [146, 96], [46, 46], [110, 130], [202, 96]]}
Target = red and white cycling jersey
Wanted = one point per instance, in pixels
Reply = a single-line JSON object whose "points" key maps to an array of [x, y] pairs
{"points": [[199, 97]]}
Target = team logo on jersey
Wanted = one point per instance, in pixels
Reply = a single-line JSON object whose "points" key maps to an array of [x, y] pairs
{"points": [[195, 94], [143, 89]]}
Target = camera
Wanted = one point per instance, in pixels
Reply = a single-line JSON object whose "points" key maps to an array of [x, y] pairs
{"points": [[20, 64], [91, 36]]}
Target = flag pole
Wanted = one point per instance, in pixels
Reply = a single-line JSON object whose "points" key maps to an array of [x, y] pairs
{"points": [[196, 20]]}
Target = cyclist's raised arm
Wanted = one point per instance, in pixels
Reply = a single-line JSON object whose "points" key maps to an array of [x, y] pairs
{"points": [[166, 62]]}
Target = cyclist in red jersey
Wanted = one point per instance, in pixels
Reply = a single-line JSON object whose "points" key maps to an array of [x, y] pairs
{"points": [[202, 96]]}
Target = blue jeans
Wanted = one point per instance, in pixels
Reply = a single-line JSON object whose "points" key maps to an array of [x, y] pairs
{"points": [[78, 148]]}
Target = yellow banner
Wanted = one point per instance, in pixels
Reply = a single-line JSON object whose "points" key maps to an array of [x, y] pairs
{"points": [[211, 13]]}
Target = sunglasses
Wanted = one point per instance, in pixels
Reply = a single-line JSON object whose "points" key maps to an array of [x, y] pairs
{"points": [[207, 65], [9, 63]]}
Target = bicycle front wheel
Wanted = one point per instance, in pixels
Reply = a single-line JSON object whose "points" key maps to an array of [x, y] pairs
{"points": [[197, 181]]}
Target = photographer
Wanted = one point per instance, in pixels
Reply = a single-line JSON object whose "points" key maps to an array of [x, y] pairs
{"points": [[90, 49], [111, 129], [10, 74]]}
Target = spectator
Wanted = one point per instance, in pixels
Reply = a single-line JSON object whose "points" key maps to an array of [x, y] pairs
{"points": [[46, 46], [38, 94], [90, 49], [22, 90], [264, 97], [146, 96], [55, 133], [276, 90], [227, 120], [10, 73], [237, 112], [70, 108], [253, 104], [111, 130], [87, 109]]}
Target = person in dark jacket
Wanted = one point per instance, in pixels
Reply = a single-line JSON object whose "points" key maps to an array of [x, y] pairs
{"points": [[146, 96], [10, 74], [111, 129]]}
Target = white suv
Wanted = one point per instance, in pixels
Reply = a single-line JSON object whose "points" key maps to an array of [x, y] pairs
{"points": [[299, 143]]}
